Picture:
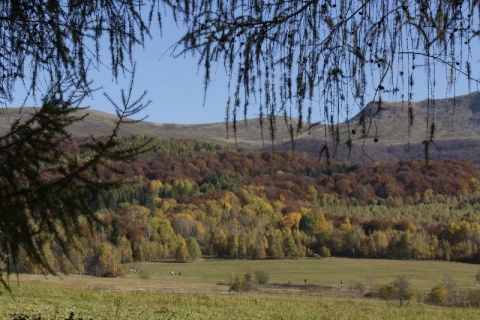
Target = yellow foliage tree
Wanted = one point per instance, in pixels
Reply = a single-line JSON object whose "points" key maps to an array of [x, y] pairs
{"points": [[230, 201], [438, 294], [321, 223], [155, 187], [109, 261], [182, 253], [291, 220]]}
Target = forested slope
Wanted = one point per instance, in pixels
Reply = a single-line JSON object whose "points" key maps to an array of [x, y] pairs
{"points": [[185, 200]]}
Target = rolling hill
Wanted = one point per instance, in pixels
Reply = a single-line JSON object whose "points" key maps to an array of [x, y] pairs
{"points": [[399, 130], [97, 123], [383, 132]]}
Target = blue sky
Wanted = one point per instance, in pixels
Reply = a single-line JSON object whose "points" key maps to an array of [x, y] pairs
{"points": [[175, 85]]}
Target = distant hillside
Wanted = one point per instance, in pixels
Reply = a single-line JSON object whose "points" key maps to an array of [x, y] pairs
{"points": [[97, 123], [383, 132], [453, 118], [378, 133]]}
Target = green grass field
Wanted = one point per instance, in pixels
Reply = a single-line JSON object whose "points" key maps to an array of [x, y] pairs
{"points": [[328, 272], [198, 294]]}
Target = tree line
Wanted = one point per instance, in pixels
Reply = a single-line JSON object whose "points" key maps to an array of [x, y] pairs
{"points": [[252, 205]]}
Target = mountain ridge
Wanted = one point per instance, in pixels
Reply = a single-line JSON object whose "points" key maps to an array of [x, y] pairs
{"points": [[388, 131]]}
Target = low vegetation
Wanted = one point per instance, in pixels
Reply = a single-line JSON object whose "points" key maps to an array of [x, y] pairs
{"points": [[251, 281], [296, 289]]}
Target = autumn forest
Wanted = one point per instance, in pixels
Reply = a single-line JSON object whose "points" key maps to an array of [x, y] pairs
{"points": [[186, 200]]}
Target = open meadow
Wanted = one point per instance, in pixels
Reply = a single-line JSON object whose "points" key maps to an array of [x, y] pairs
{"points": [[297, 289]]}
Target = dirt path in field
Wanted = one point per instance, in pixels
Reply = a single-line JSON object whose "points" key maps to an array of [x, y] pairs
{"points": [[272, 288], [139, 285]]}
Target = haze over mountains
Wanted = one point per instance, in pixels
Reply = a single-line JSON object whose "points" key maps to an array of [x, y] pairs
{"points": [[378, 133]]}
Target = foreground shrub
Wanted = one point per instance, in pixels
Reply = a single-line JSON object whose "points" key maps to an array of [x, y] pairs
{"points": [[236, 283], [438, 295], [262, 276], [250, 282], [385, 292], [399, 290], [403, 290]]}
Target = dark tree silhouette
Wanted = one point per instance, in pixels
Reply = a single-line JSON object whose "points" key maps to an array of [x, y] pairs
{"points": [[47, 180]]}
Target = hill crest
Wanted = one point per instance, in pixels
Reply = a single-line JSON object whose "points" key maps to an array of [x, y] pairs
{"points": [[388, 123]]}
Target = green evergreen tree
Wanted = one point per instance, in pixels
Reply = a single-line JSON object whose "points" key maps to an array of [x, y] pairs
{"points": [[308, 224]]}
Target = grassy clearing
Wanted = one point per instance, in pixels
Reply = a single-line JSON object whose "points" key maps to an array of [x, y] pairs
{"points": [[326, 272], [196, 294]]}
